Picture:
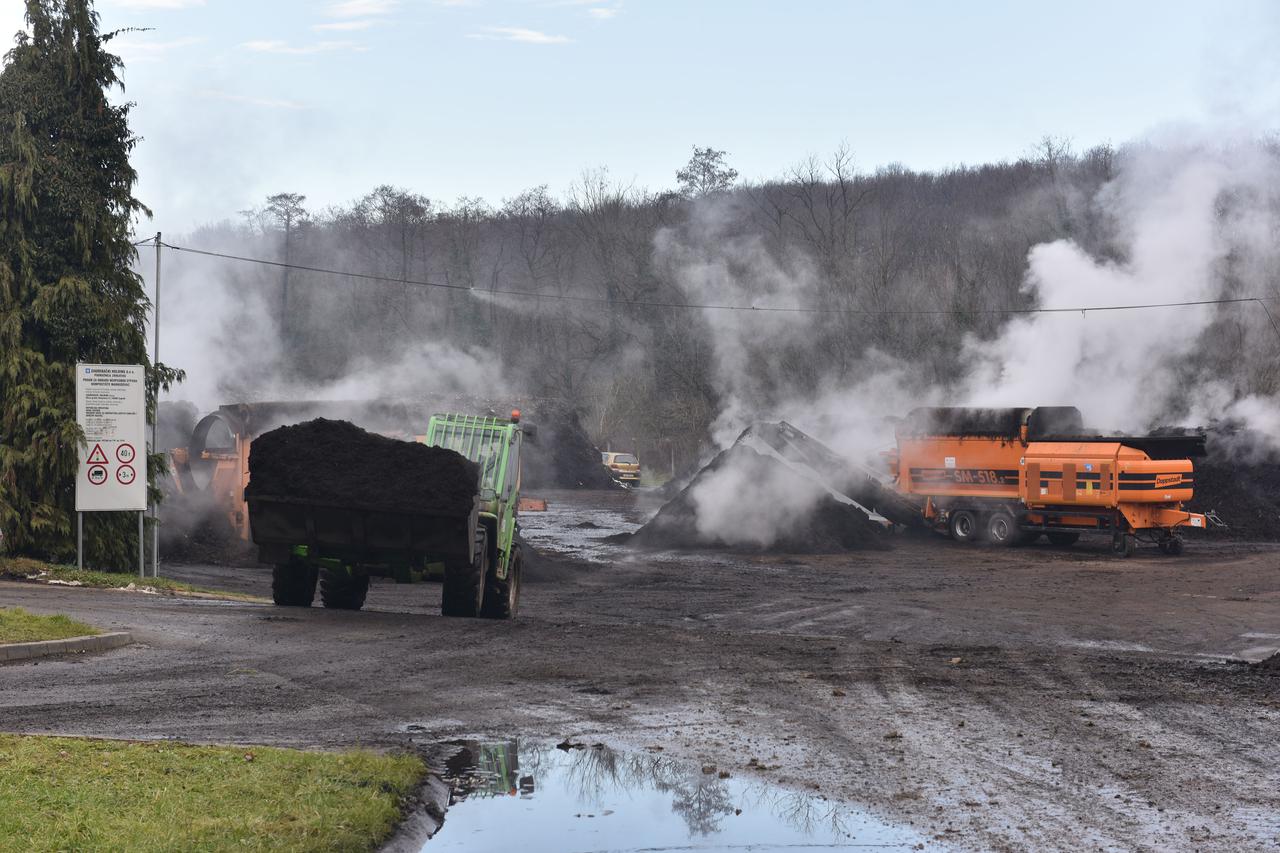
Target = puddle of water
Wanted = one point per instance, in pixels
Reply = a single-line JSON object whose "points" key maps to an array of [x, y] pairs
{"points": [[511, 795], [571, 527]]}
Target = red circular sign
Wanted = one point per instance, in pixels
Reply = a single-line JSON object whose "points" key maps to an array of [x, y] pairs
{"points": [[125, 474], [125, 454], [97, 474]]}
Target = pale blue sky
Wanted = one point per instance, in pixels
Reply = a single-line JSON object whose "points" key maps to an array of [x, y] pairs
{"points": [[239, 99]]}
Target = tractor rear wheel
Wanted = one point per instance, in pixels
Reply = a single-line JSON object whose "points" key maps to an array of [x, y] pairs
{"points": [[1063, 540], [463, 593], [339, 591], [293, 584], [1002, 529], [502, 597], [963, 526]]}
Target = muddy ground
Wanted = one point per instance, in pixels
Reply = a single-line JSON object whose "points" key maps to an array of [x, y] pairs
{"points": [[1022, 699]]}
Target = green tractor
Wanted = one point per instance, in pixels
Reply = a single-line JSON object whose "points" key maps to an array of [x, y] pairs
{"points": [[495, 444], [474, 551]]}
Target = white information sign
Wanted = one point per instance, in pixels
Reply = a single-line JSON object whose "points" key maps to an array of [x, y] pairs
{"points": [[111, 409]]}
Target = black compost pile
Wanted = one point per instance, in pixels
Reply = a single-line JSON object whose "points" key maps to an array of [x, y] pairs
{"points": [[994, 423], [831, 526], [1240, 481], [336, 462], [561, 455]]}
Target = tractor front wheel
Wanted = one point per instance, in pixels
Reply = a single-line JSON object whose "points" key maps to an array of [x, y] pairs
{"points": [[502, 597]]}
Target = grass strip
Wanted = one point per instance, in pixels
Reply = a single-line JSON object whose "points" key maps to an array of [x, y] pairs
{"points": [[23, 568], [19, 626], [81, 794]]}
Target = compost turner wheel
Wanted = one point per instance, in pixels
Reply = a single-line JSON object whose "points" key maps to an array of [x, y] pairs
{"points": [[963, 526]]}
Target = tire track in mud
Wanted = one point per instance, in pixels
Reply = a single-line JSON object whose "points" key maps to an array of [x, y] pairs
{"points": [[965, 743]]}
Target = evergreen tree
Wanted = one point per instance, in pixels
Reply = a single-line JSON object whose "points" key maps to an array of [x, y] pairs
{"points": [[67, 289]]}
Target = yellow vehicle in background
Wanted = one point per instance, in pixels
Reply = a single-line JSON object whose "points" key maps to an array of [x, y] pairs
{"points": [[625, 467]]}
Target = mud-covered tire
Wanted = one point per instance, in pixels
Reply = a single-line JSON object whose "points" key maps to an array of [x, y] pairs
{"points": [[502, 597], [293, 584], [1062, 540], [1001, 529], [1172, 546], [963, 526], [339, 591], [463, 593]]}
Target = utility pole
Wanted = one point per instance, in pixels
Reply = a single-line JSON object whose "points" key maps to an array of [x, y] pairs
{"points": [[155, 417], [284, 290]]}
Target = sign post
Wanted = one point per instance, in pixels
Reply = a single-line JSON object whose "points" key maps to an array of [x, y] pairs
{"points": [[111, 409]]}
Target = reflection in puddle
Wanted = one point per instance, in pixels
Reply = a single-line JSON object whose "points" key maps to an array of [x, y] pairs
{"points": [[537, 797]]}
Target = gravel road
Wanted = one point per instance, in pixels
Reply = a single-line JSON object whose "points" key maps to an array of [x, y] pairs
{"points": [[1008, 699]]}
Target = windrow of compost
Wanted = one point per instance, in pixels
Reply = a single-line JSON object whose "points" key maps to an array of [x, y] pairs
{"points": [[336, 462], [1239, 480], [561, 455], [827, 524]]}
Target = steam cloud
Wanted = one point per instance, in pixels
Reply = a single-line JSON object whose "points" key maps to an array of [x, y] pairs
{"points": [[1180, 221], [1189, 223]]}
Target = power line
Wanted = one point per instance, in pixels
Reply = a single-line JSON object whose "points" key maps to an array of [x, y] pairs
{"points": [[1260, 300], [283, 265]]}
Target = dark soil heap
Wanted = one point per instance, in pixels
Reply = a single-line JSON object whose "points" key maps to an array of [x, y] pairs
{"points": [[562, 455], [336, 462], [1270, 664], [1240, 481], [830, 527]]}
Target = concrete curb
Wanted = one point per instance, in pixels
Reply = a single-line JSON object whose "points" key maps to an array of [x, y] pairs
{"points": [[96, 643]]}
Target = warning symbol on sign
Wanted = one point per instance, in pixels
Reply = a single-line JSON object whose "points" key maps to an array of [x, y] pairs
{"points": [[97, 474], [125, 474], [125, 454], [97, 457]]}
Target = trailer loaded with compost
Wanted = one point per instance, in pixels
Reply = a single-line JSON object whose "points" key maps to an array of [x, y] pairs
{"points": [[331, 505]]}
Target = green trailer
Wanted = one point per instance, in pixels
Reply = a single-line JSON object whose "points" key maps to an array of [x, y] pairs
{"points": [[476, 553]]}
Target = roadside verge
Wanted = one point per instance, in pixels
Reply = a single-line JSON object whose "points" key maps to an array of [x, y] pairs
{"points": [[10, 652], [24, 570]]}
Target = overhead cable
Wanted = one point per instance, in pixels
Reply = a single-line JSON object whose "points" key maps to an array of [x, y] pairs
{"points": [[1260, 300]]}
